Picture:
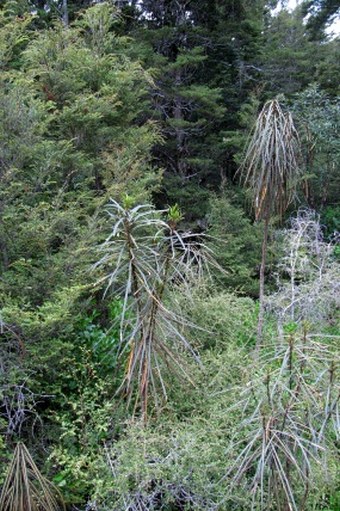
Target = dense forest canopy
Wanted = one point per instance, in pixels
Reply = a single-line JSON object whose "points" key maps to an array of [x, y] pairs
{"points": [[169, 258]]}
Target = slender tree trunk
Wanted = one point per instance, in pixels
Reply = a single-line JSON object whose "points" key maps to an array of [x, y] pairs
{"points": [[262, 274], [3, 244], [65, 13], [3, 251], [180, 135]]}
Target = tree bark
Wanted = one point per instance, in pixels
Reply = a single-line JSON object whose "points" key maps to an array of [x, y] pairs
{"points": [[3, 244], [65, 13], [179, 132], [262, 283]]}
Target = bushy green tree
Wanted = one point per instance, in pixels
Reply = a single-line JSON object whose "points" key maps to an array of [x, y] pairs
{"points": [[320, 14], [237, 245], [287, 47], [203, 58], [317, 114], [72, 135]]}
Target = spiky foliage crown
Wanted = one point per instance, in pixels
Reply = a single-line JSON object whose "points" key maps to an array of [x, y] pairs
{"points": [[270, 168]]}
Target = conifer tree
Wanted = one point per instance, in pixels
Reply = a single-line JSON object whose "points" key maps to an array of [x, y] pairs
{"points": [[203, 54]]}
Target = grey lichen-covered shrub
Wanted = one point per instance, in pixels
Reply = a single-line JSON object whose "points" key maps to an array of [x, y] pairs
{"points": [[307, 275]]}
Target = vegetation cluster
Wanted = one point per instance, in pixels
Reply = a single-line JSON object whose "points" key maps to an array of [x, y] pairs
{"points": [[169, 258]]}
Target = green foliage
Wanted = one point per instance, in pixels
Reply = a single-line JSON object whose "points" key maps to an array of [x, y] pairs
{"points": [[71, 136], [148, 468], [203, 57], [169, 462], [328, 68], [134, 102], [78, 378], [83, 424], [237, 245], [224, 319], [330, 218], [287, 47], [14, 37], [320, 14], [319, 123], [190, 197], [174, 214]]}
